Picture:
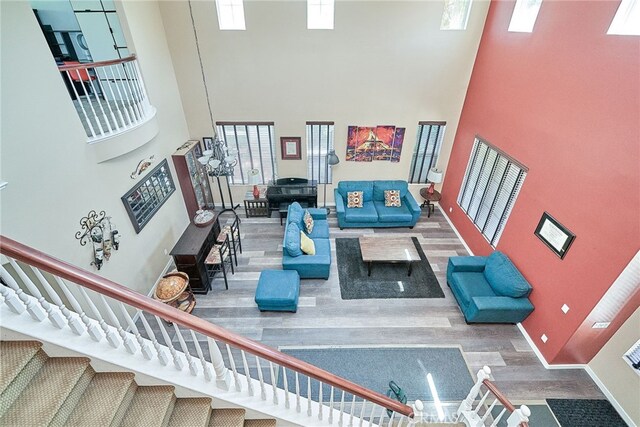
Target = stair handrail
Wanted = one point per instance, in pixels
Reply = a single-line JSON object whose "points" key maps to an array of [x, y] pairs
{"points": [[97, 64], [109, 288], [503, 400]]}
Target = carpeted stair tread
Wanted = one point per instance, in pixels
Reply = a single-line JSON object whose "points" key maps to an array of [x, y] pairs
{"points": [[116, 388], [15, 355], [259, 423], [47, 392], [227, 418], [21, 380], [191, 412], [151, 406]]}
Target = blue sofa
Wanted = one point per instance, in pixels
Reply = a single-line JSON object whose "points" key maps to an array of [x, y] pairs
{"points": [[374, 213], [489, 289], [308, 266]]}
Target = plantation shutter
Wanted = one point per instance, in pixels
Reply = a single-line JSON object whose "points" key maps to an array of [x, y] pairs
{"points": [[254, 144], [426, 151]]}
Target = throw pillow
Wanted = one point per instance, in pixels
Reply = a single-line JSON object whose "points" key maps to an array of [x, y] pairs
{"points": [[354, 199], [292, 240], [307, 245], [504, 278], [392, 198], [308, 221]]}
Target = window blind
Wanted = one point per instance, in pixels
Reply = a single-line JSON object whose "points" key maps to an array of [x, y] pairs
{"points": [[319, 143], [633, 355], [489, 189], [426, 150], [254, 144]]}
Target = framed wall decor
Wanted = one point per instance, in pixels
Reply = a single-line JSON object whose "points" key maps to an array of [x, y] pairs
{"points": [[290, 147], [207, 142], [556, 236]]}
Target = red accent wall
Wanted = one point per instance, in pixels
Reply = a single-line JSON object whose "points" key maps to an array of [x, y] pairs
{"points": [[565, 101]]}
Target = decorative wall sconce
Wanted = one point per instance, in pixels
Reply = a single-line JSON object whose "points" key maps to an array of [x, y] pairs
{"points": [[103, 235]]}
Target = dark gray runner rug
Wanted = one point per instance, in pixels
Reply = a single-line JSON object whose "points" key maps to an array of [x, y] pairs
{"points": [[375, 367], [386, 280], [541, 416], [585, 413]]}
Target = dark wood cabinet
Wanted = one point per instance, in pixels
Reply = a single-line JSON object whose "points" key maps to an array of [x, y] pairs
{"points": [[193, 179], [190, 252]]}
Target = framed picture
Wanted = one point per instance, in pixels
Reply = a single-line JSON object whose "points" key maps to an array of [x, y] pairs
{"points": [[555, 235], [290, 146], [207, 142]]}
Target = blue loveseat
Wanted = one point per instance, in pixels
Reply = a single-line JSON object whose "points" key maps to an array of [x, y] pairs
{"points": [[308, 266], [374, 213], [489, 289]]}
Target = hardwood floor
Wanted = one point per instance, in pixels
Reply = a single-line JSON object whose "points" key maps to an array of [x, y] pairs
{"points": [[324, 319]]}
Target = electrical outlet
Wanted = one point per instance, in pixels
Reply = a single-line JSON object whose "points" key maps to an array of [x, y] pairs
{"points": [[544, 338], [601, 325], [166, 252], [450, 209], [565, 308]]}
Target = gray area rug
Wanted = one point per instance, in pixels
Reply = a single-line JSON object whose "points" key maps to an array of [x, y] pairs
{"points": [[541, 416], [585, 413], [375, 367], [386, 280]]}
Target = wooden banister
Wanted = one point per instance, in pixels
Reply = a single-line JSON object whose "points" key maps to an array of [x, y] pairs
{"points": [[118, 292], [85, 65], [501, 398]]}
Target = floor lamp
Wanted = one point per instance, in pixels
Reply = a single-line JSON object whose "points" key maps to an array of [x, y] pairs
{"points": [[332, 160]]}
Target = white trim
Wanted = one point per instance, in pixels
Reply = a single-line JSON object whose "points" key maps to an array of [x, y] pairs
{"points": [[455, 230], [150, 293], [627, 419]]}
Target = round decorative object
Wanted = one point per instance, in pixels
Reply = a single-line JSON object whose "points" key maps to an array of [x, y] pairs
{"points": [[171, 286], [203, 218]]}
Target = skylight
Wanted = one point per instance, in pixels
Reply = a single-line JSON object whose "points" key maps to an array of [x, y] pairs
{"points": [[524, 16], [230, 14], [627, 19], [320, 14], [455, 15]]}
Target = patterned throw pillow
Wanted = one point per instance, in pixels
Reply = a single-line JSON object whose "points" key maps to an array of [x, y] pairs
{"points": [[392, 198], [308, 221], [354, 199]]}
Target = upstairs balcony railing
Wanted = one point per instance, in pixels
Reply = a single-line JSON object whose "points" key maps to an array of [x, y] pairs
{"points": [[109, 96]]}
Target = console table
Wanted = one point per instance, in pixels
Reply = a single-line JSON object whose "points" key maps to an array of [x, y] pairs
{"points": [[192, 249], [256, 207]]}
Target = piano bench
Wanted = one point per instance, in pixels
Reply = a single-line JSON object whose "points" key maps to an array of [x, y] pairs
{"points": [[284, 209]]}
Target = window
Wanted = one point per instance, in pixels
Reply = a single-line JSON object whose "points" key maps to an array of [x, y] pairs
{"points": [[633, 356], [254, 145], [320, 14], [524, 15], [426, 151], [490, 188], [626, 22], [455, 15], [319, 143], [230, 14]]}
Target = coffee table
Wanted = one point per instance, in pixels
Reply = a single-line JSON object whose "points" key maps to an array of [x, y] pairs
{"points": [[388, 250]]}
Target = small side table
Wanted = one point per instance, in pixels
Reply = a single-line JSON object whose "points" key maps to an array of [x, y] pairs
{"points": [[256, 207], [429, 200]]}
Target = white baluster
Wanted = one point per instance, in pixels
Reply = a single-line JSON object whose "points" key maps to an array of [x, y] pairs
{"points": [[488, 411], [263, 393], [92, 329], [95, 94], [331, 406], [177, 360], [285, 381], [393, 415], [93, 110], [84, 112], [298, 406], [383, 413], [145, 97], [353, 410], [73, 322], [183, 345], [117, 84], [54, 316], [12, 301], [484, 397], [308, 395], [341, 409], [34, 310], [112, 338], [222, 373], [273, 384], [162, 355], [519, 416], [467, 403], [232, 363], [320, 401], [373, 410], [144, 348], [104, 94], [247, 372], [129, 345], [115, 99], [134, 100], [364, 403], [136, 86], [124, 83], [497, 419], [206, 369], [400, 421], [418, 413]]}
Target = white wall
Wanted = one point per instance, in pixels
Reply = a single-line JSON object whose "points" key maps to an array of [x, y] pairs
{"points": [[386, 62], [53, 178], [620, 378]]}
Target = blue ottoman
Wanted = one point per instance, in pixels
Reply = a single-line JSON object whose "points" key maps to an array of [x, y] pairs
{"points": [[278, 290]]}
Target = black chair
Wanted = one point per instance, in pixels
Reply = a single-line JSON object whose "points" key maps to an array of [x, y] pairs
{"points": [[231, 233], [217, 259]]}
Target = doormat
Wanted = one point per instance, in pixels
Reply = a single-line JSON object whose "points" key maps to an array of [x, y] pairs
{"points": [[585, 413]]}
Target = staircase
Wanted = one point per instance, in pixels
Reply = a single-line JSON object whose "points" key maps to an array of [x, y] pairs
{"points": [[38, 390]]}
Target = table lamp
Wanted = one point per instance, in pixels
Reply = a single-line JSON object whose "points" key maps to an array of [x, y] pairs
{"points": [[254, 179], [434, 177]]}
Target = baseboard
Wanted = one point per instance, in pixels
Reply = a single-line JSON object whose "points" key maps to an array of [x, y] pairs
{"points": [[153, 288], [627, 419], [455, 230]]}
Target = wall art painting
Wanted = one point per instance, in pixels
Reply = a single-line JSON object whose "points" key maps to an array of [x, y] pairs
{"points": [[366, 143], [398, 139]]}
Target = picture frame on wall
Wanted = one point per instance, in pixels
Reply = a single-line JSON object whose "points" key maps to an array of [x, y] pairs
{"points": [[207, 142], [290, 147], [556, 236]]}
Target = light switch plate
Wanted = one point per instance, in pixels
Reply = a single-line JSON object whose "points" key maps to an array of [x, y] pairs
{"points": [[565, 308], [601, 325], [544, 338]]}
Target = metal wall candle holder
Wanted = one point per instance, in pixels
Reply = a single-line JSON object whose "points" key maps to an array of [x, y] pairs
{"points": [[103, 235]]}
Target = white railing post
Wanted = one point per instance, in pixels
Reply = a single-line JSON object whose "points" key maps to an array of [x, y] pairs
{"points": [[35, 311], [274, 386], [177, 360], [162, 355], [206, 369], [298, 406], [12, 301], [144, 348], [129, 345], [285, 382], [183, 345], [112, 338], [74, 323], [247, 372], [467, 403], [92, 329], [519, 416], [263, 392], [418, 413], [223, 377]]}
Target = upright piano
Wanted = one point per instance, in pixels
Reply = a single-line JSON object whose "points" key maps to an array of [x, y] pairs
{"points": [[285, 191]]}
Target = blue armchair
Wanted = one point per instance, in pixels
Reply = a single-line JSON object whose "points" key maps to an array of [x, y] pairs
{"points": [[315, 266]]}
